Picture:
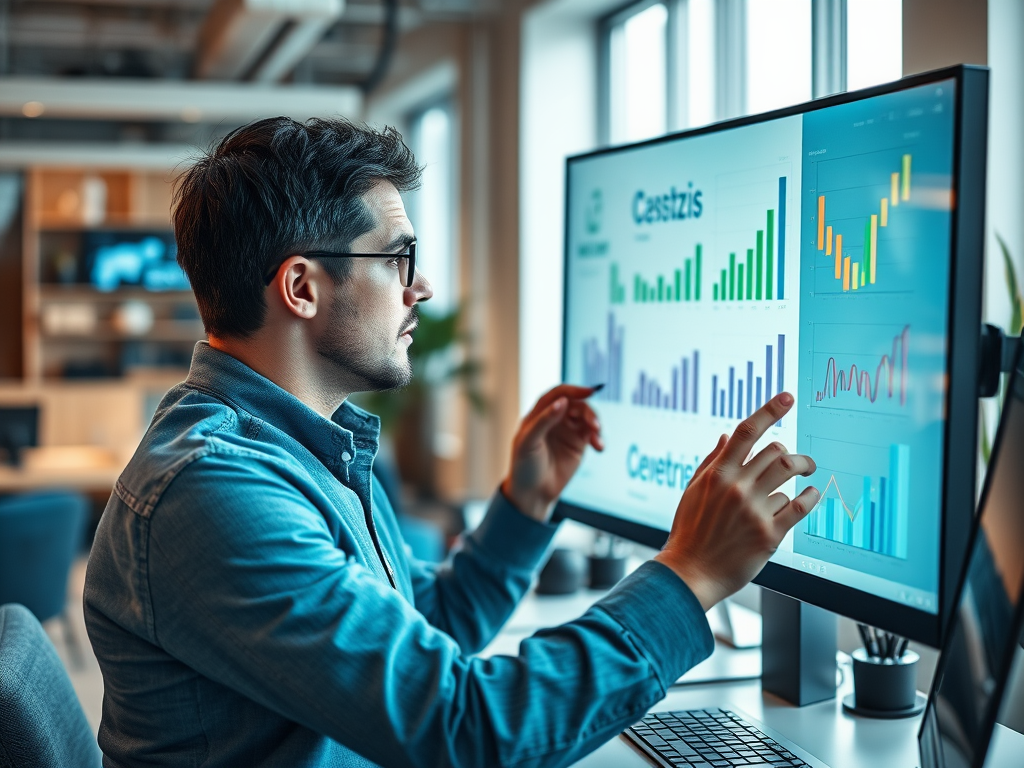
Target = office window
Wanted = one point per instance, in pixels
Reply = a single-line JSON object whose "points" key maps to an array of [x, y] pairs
{"points": [[778, 53], [638, 73], [431, 208], [699, 51], [678, 64], [874, 42]]}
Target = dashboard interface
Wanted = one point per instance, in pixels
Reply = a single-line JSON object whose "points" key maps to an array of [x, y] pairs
{"points": [[808, 253]]}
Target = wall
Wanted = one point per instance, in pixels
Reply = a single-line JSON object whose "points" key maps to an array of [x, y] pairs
{"points": [[937, 33], [1006, 210], [483, 58], [558, 118], [1005, 151]]}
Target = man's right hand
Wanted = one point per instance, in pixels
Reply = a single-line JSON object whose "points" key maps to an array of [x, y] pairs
{"points": [[731, 518]]}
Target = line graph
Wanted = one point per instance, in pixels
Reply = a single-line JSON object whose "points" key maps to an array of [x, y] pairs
{"points": [[869, 373], [864, 503]]}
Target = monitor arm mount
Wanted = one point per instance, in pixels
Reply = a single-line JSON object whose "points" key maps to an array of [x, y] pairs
{"points": [[998, 354]]}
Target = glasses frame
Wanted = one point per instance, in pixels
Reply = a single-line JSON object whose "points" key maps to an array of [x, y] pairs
{"points": [[410, 254]]}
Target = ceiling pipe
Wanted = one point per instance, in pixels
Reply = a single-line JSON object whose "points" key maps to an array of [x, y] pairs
{"points": [[261, 40], [387, 49], [161, 100]]}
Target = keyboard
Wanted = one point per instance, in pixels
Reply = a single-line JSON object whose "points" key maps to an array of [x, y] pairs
{"points": [[708, 738]]}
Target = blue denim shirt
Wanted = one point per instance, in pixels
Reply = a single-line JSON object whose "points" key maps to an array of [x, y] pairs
{"points": [[251, 603]]}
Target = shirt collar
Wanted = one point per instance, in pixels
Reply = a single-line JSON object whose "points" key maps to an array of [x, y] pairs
{"points": [[335, 442]]}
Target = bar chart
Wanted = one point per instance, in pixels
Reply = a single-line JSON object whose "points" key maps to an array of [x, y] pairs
{"points": [[602, 362], [857, 201], [682, 395], [760, 275], [744, 388], [681, 284], [863, 370], [864, 496]]}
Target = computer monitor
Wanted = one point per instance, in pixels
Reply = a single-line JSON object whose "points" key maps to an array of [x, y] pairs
{"points": [[978, 653], [19, 429], [833, 249]]}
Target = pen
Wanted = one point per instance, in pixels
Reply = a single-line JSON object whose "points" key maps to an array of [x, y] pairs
{"points": [[902, 649], [866, 638], [876, 642], [870, 642], [596, 388]]}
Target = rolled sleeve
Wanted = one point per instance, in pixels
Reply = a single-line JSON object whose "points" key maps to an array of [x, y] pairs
{"points": [[504, 525], [664, 618], [472, 597]]}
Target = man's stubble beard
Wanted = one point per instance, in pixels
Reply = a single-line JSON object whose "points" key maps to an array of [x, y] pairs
{"points": [[366, 371]]}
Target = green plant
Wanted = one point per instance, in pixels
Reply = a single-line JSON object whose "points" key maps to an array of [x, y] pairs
{"points": [[1016, 326]]}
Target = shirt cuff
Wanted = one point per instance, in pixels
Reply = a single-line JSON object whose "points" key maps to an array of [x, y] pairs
{"points": [[664, 619], [510, 537]]}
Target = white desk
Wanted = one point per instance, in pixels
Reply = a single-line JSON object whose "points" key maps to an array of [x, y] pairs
{"points": [[824, 730]]}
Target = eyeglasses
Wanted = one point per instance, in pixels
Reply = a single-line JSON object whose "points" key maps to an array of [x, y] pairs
{"points": [[406, 262]]}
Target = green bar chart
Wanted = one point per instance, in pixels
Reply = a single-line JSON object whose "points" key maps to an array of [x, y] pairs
{"points": [[682, 284]]}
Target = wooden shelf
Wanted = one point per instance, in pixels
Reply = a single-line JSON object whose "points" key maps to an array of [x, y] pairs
{"points": [[109, 225], [162, 330], [55, 292], [62, 205]]}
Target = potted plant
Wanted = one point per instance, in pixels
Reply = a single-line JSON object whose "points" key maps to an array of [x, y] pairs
{"points": [[1016, 326]]}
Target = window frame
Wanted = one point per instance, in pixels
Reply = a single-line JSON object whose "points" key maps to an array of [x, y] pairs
{"points": [[828, 58], [412, 121], [606, 26]]}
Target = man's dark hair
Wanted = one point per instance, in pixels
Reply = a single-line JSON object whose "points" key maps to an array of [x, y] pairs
{"points": [[270, 189]]}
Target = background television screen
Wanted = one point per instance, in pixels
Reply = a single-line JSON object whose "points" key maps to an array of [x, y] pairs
{"points": [[810, 253], [132, 258]]}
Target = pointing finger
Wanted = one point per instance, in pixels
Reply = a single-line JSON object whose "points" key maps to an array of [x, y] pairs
{"points": [[754, 426]]}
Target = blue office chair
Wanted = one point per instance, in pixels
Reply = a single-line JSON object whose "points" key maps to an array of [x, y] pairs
{"points": [[40, 534], [41, 720]]}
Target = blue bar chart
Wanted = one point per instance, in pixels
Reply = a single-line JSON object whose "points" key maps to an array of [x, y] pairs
{"points": [[746, 387], [681, 395], [602, 364], [865, 496]]}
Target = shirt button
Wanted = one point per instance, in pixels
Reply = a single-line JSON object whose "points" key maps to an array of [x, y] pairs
{"points": [[346, 456]]}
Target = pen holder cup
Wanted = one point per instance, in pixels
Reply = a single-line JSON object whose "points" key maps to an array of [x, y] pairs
{"points": [[884, 687]]}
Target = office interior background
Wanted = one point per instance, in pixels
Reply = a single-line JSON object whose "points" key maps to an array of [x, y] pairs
{"points": [[103, 102]]}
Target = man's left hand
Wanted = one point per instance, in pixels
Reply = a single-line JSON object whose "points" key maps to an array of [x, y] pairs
{"points": [[548, 448]]}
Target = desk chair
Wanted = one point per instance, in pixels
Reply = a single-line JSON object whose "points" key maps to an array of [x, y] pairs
{"points": [[40, 534], [41, 721]]}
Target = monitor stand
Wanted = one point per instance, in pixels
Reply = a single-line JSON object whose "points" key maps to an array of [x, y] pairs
{"points": [[798, 652], [737, 654], [735, 625]]}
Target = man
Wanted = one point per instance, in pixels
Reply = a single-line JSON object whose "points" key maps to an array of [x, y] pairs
{"points": [[248, 596]]}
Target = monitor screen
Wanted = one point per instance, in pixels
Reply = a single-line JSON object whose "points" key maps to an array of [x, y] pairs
{"points": [[808, 252], [977, 656], [19, 429], [133, 259]]}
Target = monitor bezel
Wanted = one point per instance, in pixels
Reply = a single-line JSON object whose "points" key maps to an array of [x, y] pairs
{"points": [[964, 306]]}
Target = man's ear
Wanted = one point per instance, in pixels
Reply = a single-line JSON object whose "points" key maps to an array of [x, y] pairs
{"points": [[296, 285]]}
